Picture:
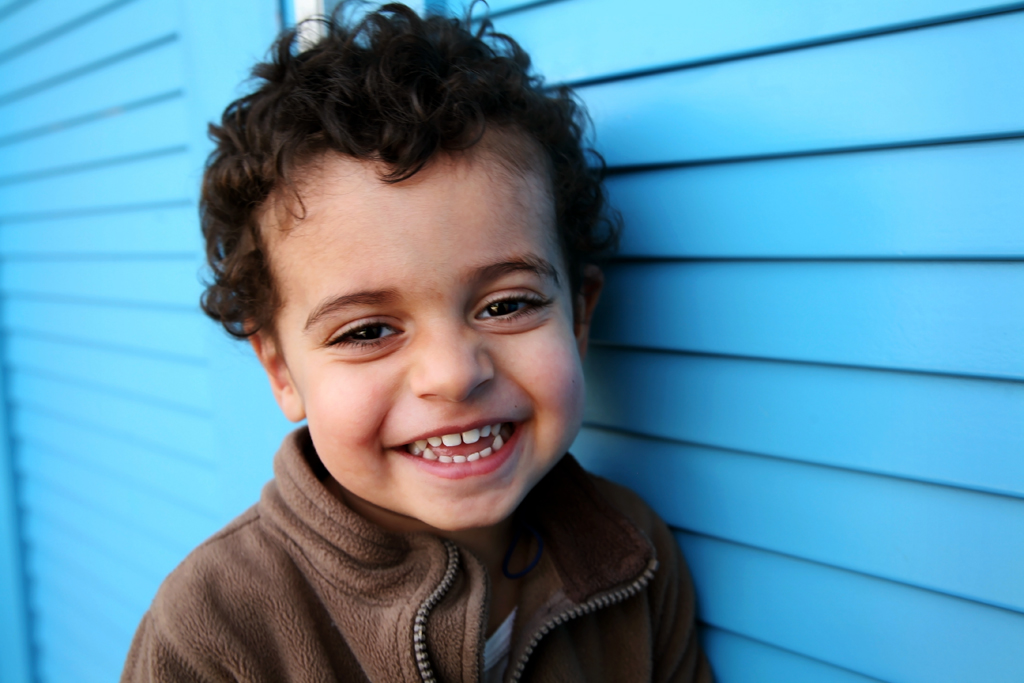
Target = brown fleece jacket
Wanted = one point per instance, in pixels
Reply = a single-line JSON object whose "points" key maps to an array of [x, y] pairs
{"points": [[301, 588]]}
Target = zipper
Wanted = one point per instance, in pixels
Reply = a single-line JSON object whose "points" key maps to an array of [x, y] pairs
{"points": [[596, 603], [419, 626]]}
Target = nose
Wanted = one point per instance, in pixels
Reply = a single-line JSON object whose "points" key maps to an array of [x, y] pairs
{"points": [[451, 365]]}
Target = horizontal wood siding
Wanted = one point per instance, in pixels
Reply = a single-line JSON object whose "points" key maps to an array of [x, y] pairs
{"points": [[106, 368], [808, 352]]}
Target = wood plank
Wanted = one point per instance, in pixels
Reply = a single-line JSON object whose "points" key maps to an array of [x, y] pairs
{"points": [[163, 380], [160, 282], [166, 228], [167, 176], [96, 484], [131, 23], [166, 517], [135, 550], [910, 203], [961, 318], [145, 71], [59, 664], [962, 432], [41, 17], [62, 559], [63, 626], [948, 540], [64, 649], [572, 41], [131, 133], [160, 331], [736, 659], [15, 634], [941, 82], [170, 431], [878, 628], [194, 483]]}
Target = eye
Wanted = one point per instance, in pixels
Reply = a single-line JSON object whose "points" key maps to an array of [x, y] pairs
{"points": [[369, 334], [513, 307], [505, 307]]}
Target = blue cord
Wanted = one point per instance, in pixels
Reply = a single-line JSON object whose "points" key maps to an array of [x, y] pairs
{"points": [[512, 547]]}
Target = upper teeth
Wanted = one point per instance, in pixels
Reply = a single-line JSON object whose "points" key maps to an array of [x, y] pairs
{"points": [[421, 447]]}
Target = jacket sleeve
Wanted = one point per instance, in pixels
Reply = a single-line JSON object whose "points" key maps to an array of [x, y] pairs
{"points": [[678, 656], [153, 658]]}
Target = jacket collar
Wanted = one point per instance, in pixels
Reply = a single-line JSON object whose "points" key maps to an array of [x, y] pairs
{"points": [[592, 545]]}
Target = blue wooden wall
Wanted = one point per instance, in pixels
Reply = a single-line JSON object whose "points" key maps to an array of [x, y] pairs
{"points": [[119, 449], [809, 356], [810, 352]]}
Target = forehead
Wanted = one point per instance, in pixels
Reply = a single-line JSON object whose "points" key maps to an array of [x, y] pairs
{"points": [[461, 210]]}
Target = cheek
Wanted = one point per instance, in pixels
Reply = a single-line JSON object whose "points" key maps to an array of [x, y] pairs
{"points": [[346, 408], [553, 375]]}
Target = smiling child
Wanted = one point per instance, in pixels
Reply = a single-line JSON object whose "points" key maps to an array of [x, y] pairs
{"points": [[402, 222]]}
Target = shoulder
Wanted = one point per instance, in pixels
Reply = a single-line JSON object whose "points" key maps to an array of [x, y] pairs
{"points": [[643, 516], [629, 503], [677, 652], [224, 606], [245, 573], [672, 582], [236, 560]]}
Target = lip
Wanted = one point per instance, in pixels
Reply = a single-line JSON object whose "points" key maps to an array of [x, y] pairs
{"points": [[462, 470], [479, 424]]}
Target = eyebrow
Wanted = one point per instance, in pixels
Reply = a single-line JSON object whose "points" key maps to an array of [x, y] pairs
{"points": [[377, 297], [528, 263]]}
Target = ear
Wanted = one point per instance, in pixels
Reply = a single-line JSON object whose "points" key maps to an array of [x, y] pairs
{"points": [[281, 383], [586, 301]]}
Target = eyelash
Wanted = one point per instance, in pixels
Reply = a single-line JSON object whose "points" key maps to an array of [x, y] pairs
{"points": [[346, 338], [533, 304]]}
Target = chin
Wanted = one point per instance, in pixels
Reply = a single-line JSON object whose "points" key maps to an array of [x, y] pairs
{"points": [[467, 521]]}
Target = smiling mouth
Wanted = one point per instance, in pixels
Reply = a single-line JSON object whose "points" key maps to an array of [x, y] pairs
{"points": [[468, 446]]}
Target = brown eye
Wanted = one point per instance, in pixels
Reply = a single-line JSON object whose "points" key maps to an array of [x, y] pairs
{"points": [[367, 333], [502, 308], [364, 335]]}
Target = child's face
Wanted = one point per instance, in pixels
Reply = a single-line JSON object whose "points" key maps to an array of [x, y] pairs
{"points": [[416, 311]]}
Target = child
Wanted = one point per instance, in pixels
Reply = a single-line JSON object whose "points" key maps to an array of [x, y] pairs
{"points": [[403, 224]]}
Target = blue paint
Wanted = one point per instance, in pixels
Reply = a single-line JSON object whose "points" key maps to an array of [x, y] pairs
{"points": [[743, 660], [161, 178], [164, 381], [162, 427], [150, 68], [143, 230], [958, 318], [249, 425], [843, 522], [570, 41], [877, 628], [131, 24], [906, 203], [962, 432], [16, 663], [160, 331], [161, 282], [136, 132], [950, 540], [919, 85]]}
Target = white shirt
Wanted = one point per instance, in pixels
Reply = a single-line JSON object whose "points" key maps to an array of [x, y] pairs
{"points": [[496, 651]]}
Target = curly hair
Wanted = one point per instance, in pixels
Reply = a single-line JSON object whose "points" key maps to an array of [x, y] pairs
{"points": [[396, 89]]}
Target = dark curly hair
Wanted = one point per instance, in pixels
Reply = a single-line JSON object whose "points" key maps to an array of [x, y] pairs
{"points": [[393, 88]]}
